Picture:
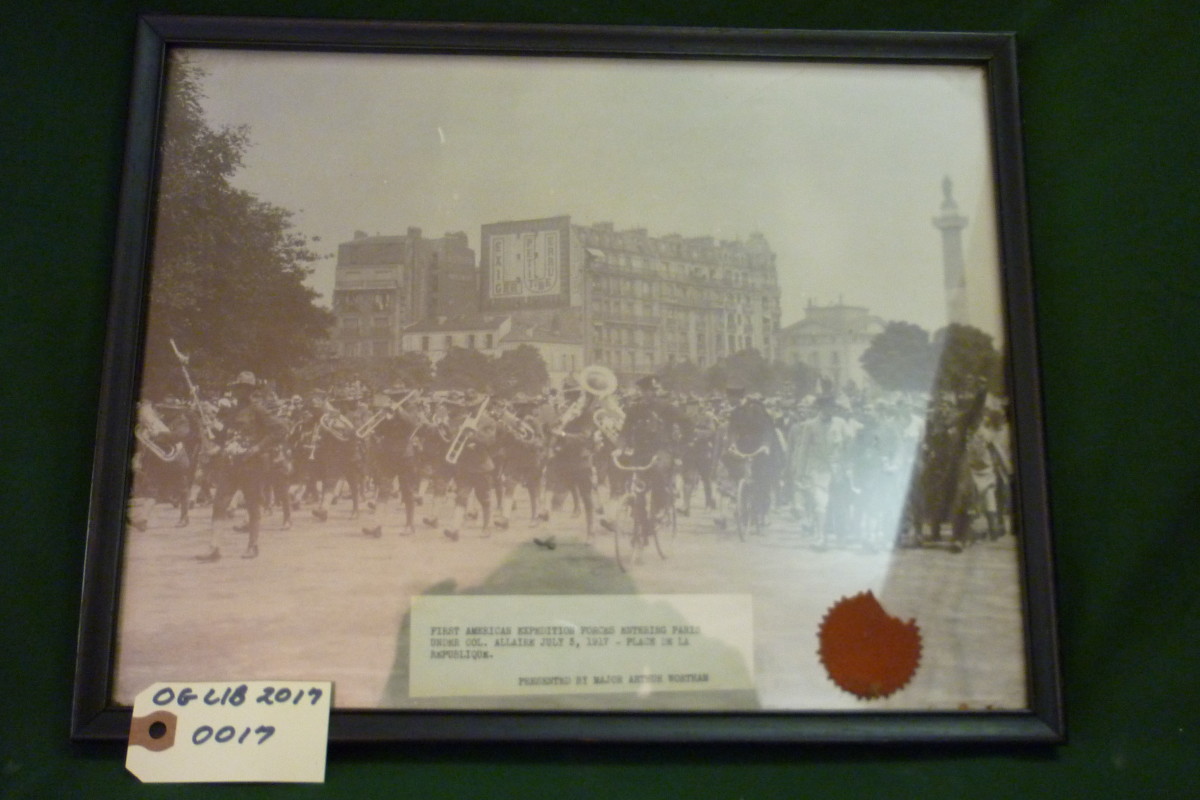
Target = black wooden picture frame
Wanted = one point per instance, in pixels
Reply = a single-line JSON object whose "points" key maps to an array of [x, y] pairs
{"points": [[97, 713]]}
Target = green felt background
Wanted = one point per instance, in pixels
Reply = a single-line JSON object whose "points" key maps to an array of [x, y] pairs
{"points": [[1110, 99]]}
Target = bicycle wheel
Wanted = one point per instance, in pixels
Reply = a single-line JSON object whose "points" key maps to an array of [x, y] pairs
{"points": [[622, 527], [665, 528], [741, 508]]}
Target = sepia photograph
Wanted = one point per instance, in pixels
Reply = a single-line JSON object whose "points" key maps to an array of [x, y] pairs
{"points": [[689, 377]]}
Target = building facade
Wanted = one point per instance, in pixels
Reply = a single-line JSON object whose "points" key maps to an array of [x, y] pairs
{"points": [[556, 333], [831, 340], [434, 337], [383, 284], [642, 302]]}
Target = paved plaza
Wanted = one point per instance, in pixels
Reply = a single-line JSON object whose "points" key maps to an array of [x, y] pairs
{"points": [[324, 601]]}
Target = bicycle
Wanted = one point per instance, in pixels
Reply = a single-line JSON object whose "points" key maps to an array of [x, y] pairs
{"points": [[637, 517], [750, 495]]}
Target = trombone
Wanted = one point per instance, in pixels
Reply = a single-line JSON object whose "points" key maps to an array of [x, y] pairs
{"points": [[465, 432], [368, 427]]}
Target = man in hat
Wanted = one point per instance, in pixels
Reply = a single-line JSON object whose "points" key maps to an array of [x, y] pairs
{"points": [[571, 449], [815, 447], [164, 464], [751, 450], [473, 472], [396, 448], [698, 453], [652, 437], [521, 448], [244, 463]]}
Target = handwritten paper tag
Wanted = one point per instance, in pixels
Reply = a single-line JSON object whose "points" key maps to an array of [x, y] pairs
{"points": [[230, 732]]}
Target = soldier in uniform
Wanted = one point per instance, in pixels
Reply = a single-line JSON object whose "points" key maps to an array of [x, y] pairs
{"points": [[251, 435], [814, 448], [571, 449], [751, 449], [397, 455], [653, 434], [474, 468], [164, 466]]}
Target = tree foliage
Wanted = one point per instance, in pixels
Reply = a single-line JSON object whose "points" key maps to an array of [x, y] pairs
{"points": [[798, 380], [463, 368], [684, 377], [958, 358], [412, 369], [521, 369], [746, 368], [228, 268], [900, 358], [966, 360]]}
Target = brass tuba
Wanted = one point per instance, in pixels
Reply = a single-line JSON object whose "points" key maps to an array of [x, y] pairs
{"points": [[149, 424], [609, 418], [602, 383], [598, 380]]}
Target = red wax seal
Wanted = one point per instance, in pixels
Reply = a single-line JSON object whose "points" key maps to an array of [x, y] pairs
{"points": [[866, 651]]}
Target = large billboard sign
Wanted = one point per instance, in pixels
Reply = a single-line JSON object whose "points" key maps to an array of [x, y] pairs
{"points": [[525, 263]]}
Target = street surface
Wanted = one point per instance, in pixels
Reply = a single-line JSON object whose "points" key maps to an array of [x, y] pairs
{"points": [[324, 601]]}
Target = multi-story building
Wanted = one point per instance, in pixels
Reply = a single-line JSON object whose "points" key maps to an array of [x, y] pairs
{"points": [[436, 336], [831, 340], [382, 284], [637, 302], [557, 334]]}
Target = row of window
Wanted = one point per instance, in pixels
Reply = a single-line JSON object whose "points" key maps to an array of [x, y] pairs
{"points": [[661, 250], [637, 337], [367, 302], [627, 360], [470, 341], [629, 288], [366, 349]]}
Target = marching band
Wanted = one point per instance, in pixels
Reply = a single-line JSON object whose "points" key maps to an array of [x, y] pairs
{"points": [[838, 470]]}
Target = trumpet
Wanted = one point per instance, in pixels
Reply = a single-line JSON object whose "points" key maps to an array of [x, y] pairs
{"points": [[368, 427], [465, 432]]}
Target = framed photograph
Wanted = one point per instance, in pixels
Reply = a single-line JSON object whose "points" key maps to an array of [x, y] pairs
{"points": [[575, 383]]}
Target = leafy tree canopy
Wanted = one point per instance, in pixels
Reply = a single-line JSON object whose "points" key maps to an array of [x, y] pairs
{"points": [[958, 358], [746, 368], [228, 268], [521, 369], [411, 369], [462, 368], [900, 358], [683, 376], [966, 360]]}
